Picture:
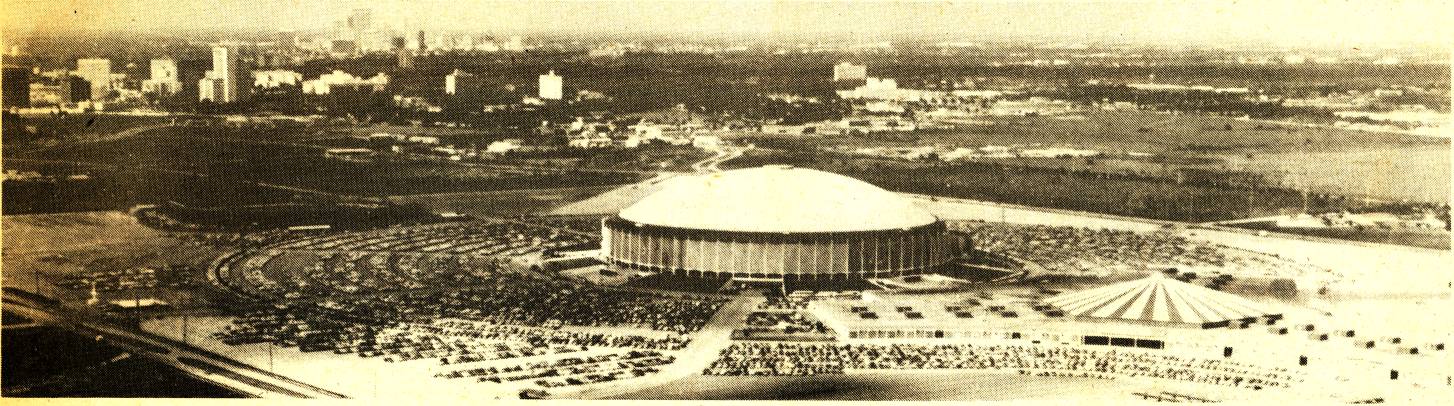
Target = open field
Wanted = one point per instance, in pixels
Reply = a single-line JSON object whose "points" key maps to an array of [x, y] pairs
{"points": [[1119, 194], [59, 245], [1414, 238], [111, 187], [506, 202], [1329, 160], [1148, 132], [1420, 173], [209, 167]]}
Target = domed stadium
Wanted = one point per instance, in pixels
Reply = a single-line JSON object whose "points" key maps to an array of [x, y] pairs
{"points": [[777, 223]]}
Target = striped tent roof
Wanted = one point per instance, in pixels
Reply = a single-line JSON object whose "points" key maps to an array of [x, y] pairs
{"points": [[1158, 299]]}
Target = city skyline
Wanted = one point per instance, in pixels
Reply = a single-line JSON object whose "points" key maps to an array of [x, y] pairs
{"points": [[1290, 23]]}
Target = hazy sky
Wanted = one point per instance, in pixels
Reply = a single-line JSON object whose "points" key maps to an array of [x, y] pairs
{"points": [[1273, 22]]}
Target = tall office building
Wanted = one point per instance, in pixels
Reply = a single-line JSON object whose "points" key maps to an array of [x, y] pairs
{"points": [[847, 71], [460, 81], [16, 89], [362, 19], [359, 28], [552, 86], [163, 69], [190, 72], [220, 84], [422, 47], [406, 59], [96, 71], [164, 79], [74, 89]]}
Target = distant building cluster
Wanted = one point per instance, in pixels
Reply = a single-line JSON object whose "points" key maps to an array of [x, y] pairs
{"points": [[587, 134], [335, 81], [846, 71], [271, 79]]}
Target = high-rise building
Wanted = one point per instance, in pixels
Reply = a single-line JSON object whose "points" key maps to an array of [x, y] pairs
{"points": [[406, 58], [362, 19], [220, 83], [459, 81], [208, 88], [847, 71], [74, 89], [97, 72], [359, 28], [16, 89], [552, 86], [422, 47], [163, 69], [164, 79], [189, 73]]}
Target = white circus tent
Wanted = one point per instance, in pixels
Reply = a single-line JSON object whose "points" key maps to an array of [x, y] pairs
{"points": [[1158, 299]]}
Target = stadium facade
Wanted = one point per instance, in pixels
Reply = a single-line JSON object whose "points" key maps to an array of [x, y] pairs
{"points": [[777, 223]]}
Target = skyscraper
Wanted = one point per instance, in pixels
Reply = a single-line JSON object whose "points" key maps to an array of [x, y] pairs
{"points": [[74, 89], [551, 86], [362, 19], [459, 81], [97, 71], [220, 84], [164, 79], [406, 59], [422, 47], [360, 29], [16, 87]]}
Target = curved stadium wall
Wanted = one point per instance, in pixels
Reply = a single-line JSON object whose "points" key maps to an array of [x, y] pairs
{"points": [[722, 254]]}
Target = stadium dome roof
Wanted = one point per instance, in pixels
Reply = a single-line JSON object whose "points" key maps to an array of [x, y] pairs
{"points": [[778, 199], [1158, 299]]}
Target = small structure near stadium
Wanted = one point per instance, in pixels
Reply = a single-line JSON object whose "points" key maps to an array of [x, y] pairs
{"points": [[1162, 300]]}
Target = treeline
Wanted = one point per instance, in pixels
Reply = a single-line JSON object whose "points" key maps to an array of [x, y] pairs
{"points": [[1226, 104]]}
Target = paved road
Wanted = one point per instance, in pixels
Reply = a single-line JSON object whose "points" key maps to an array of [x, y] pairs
{"points": [[713, 163], [199, 363], [706, 344]]}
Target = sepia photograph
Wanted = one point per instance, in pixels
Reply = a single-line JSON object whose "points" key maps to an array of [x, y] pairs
{"points": [[439, 202]]}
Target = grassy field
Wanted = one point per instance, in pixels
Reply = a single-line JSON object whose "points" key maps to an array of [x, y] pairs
{"points": [[507, 202], [1419, 173], [1438, 240], [1153, 133], [218, 166], [1327, 160], [1128, 195], [119, 188], [56, 245]]}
